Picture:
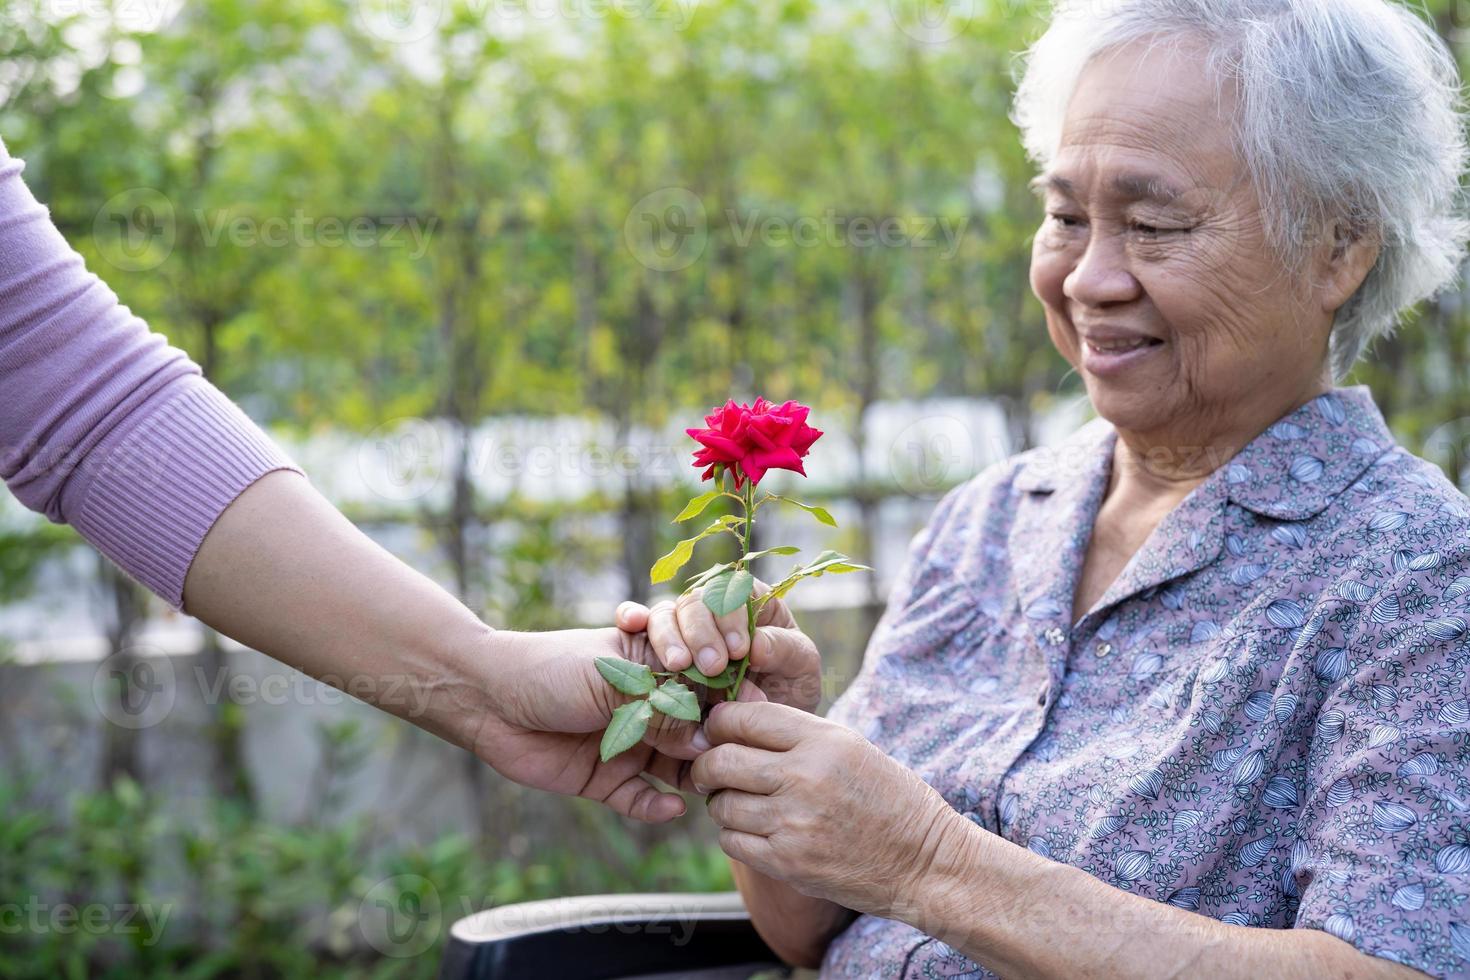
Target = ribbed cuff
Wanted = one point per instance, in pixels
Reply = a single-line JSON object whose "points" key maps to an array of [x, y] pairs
{"points": [[158, 491]]}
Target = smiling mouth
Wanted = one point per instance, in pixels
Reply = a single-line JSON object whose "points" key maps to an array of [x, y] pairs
{"points": [[1122, 346]]}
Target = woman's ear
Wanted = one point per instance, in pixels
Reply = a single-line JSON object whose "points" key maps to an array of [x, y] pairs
{"points": [[1352, 254]]}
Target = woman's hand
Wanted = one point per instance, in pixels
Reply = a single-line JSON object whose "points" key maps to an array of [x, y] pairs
{"points": [[784, 662], [815, 804]]}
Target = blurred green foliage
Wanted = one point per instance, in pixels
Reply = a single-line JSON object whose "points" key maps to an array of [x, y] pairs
{"points": [[211, 890], [530, 154]]}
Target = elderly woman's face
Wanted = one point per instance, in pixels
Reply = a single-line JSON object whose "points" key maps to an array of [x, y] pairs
{"points": [[1151, 261]]}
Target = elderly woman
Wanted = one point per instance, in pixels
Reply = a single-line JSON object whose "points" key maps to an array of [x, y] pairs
{"points": [[1186, 694]]}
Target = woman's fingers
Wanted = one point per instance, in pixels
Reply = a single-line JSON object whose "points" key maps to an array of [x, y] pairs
{"points": [[702, 633], [750, 849], [783, 651], [636, 797], [749, 691], [774, 612], [789, 665], [737, 767], [677, 773], [773, 726], [619, 784], [685, 631], [631, 617], [735, 628], [664, 636], [673, 737], [748, 813]]}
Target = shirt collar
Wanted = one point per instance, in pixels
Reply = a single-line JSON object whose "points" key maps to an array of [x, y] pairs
{"points": [[1295, 468], [1289, 472], [1046, 468]]}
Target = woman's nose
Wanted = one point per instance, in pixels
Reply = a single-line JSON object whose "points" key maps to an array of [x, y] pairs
{"points": [[1101, 274]]}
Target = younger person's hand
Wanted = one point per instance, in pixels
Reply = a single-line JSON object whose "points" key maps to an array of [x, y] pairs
{"points": [[548, 706]]}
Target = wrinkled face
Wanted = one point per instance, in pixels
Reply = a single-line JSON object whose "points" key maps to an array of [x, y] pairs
{"points": [[1151, 261]]}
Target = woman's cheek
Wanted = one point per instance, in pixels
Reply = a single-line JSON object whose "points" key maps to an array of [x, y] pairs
{"points": [[1048, 274], [1048, 269]]}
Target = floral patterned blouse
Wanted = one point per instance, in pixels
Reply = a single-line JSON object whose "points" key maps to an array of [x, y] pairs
{"points": [[1264, 719]]}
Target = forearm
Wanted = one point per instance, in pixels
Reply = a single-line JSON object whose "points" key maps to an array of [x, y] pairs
{"points": [[798, 927], [1022, 915], [284, 572]]}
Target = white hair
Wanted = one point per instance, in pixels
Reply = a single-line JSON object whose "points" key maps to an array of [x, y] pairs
{"points": [[1349, 110]]}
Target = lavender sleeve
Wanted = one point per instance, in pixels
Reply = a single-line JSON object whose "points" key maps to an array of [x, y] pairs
{"points": [[103, 425]]}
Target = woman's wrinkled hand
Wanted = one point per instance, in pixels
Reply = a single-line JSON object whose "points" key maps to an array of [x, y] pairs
{"points": [[812, 803], [784, 662]]}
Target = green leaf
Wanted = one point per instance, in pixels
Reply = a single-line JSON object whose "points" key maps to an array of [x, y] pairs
{"points": [[696, 506], [626, 728], [784, 549], [708, 574], [833, 561], [665, 568], [820, 513], [675, 700], [626, 676], [781, 588], [827, 562], [719, 681], [728, 591]]}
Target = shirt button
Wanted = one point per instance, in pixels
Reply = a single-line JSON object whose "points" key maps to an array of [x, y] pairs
{"points": [[1103, 649]]}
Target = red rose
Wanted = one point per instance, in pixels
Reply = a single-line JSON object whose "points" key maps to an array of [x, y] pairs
{"points": [[750, 439]]}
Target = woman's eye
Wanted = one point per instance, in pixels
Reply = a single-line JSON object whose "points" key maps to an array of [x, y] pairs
{"points": [[1140, 228], [1153, 231]]}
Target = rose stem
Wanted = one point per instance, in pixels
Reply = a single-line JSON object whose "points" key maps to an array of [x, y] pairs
{"points": [[749, 501]]}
